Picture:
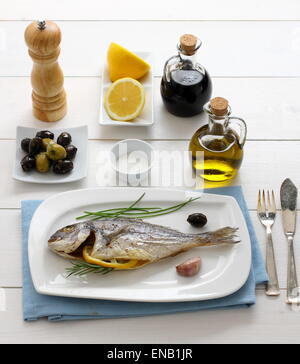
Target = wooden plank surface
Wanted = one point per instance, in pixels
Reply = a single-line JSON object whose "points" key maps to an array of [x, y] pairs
{"points": [[269, 106], [137, 10], [252, 175], [230, 49], [270, 321]]}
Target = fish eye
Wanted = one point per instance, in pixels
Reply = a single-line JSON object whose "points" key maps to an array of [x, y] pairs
{"points": [[55, 238], [68, 229]]}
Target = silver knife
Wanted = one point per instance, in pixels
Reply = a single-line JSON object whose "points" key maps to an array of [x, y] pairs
{"points": [[289, 194]]}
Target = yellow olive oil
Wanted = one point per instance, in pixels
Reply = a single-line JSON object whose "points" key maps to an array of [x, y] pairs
{"points": [[222, 155]]}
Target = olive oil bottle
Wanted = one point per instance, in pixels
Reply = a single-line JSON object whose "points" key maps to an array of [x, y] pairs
{"points": [[217, 147]]}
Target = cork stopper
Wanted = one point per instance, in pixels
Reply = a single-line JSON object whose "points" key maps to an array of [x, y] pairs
{"points": [[219, 106], [188, 43]]}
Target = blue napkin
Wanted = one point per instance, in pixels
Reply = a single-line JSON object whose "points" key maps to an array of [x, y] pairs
{"points": [[36, 306]]}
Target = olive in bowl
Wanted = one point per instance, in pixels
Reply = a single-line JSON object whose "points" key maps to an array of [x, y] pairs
{"points": [[42, 163], [45, 134], [64, 139], [63, 167], [36, 146], [28, 163], [71, 152], [46, 142], [56, 152], [25, 145]]}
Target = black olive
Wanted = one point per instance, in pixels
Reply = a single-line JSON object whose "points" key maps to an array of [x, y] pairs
{"points": [[64, 139], [25, 145], [45, 134], [71, 151], [197, 220], [28, 163], [36, 146], [63, 167]]}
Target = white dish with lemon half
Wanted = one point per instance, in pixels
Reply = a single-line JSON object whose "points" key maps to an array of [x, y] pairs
{"points": [[146, 118]]}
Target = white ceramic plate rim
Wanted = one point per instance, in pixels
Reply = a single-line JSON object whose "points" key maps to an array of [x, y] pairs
{"points": [[110, 122], [239, 274]]}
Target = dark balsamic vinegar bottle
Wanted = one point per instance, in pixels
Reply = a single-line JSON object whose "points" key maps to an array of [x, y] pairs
{"points": [[186, 86]]}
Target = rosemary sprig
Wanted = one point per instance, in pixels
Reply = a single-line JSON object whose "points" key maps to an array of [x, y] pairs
{"points": [[81, 268]]}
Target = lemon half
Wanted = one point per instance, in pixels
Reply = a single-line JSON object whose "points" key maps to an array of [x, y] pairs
{"points": [[125, 99]]}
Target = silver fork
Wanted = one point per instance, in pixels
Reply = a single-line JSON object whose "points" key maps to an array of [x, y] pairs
{"points": [[267, 215]]}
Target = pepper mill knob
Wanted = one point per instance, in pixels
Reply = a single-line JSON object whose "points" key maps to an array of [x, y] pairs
{"points": [[48, 96], [41, 24]]}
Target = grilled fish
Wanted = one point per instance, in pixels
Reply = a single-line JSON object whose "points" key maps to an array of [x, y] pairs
{"points": [[127, 239]]}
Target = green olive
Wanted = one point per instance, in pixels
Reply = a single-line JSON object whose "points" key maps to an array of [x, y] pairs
{"points": [[56, 152], [42, 163], [46, 142]]}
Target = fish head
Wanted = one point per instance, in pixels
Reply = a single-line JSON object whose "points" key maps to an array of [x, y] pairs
{"points": [[68, 240]]}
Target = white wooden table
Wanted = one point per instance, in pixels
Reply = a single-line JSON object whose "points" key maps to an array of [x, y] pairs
{"points": [[252, 50]]}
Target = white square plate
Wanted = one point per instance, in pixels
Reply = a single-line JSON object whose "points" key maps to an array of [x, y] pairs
{"points": [[225, 268], [147, 116], [79, 139]]}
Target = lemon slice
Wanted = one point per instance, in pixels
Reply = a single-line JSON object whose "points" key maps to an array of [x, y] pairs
{"points": [[108, 264], [125, 99], [123, 63]]}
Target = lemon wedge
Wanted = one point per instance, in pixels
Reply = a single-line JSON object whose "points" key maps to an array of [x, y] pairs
{"points": [[108, 264], [123, 63], [125, 99]]}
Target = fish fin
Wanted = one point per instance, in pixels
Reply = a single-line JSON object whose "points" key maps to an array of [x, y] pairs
{"points": [[102, 239], [226, 235], [99, 241], [121, 230]]}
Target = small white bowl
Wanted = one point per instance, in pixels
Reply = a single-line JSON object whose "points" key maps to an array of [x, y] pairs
{"points": [[132, 160]]}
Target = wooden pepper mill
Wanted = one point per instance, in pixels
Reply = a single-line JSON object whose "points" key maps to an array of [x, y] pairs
{"points": [[48, 96]]}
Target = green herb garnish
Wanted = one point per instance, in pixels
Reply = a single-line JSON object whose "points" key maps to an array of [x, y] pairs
{"points": [[81, 268], [134, 212]]}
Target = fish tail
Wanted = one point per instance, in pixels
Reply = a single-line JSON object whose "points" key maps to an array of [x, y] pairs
{"points": [[225, 235]]}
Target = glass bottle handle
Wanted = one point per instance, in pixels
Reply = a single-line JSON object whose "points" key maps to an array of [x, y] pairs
{"points": [[166, 75], [242, 126]]}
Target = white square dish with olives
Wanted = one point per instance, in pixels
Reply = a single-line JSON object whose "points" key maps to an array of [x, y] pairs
{"points": [[51, 156]]}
